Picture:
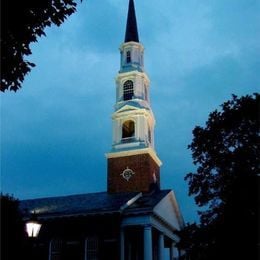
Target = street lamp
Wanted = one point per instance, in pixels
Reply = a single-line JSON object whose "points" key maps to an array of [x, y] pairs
{"points": [[33, 226]]}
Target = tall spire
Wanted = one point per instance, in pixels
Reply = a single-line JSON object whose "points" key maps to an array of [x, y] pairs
{"points": [[132, 163], [131, 33]]}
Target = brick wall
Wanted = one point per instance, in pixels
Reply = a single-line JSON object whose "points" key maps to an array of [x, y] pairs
{"points": [[142, 165]]}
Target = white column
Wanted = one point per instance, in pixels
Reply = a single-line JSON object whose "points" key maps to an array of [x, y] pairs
{"points": [[172, 251], [148, 251], [160, 246], [122, 244], [139, 128]]}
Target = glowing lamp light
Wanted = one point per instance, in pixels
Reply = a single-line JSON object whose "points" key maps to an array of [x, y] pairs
{"points": [[33, 228]]}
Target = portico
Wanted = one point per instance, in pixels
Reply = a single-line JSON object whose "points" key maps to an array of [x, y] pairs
{"points": [[153, 243], [151, 229]]}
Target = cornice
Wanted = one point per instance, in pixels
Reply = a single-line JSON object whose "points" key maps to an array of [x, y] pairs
{"points": [[131, 44], [149, 150], [133, 73]]}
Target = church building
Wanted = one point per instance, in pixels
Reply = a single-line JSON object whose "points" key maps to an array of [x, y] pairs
{"points": [[134, 219]]}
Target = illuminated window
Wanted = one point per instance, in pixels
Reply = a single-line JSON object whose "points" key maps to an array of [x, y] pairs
{"points": [[128, 56], [128, 129], [128, 89]]}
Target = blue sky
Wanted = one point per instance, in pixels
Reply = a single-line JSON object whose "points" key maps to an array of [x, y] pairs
{"points": [[57, 128]]}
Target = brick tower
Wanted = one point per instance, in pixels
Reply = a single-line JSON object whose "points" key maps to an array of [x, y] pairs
{"points": [[132, 163]]}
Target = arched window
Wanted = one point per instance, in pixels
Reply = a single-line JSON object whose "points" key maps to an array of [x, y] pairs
{"points": [[128, 89], [128, 56], [128, 129]]}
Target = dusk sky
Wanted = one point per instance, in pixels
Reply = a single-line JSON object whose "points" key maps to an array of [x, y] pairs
{"points": [[56, 130]]}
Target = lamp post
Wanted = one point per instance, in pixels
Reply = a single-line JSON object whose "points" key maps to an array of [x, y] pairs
{"points": [[33, 227]]}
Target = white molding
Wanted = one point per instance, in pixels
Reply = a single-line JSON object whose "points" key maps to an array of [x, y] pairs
{"points": [[140, 220], [150, 151], [131, 201], [125, 108], [132, 75], [163, 210], [127, 111], [126, 145], [165, 229], [150, 220], [131, 44]]}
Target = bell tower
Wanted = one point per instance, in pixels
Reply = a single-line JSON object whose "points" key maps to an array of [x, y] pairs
{"points": [[132, 163]]}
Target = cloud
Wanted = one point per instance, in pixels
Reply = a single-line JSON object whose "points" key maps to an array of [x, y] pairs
{"points": [[56, 130]]}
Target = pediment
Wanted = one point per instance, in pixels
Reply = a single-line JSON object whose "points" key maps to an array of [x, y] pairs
{"points": [[168, 211], [127, 108]]}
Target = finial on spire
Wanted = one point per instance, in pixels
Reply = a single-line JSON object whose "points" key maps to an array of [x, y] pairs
{"points": [[131, 33]]}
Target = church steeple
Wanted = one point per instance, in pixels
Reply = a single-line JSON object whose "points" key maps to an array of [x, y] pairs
{"points": [[131, 33], [132, 162]]}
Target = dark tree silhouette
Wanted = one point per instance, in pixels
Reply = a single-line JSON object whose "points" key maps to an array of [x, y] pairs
{"points": [[226, 153], [22, 22], [12, 228]]}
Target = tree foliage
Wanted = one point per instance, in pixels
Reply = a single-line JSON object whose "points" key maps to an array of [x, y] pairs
{"points": [[226, 182], [12, 228], [22, 22]]}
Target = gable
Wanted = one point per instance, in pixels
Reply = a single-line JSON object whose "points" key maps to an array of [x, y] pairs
{"points": [[127, 108], [168, 210]]}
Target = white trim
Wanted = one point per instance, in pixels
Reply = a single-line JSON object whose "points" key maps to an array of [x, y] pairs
{"points": [[151, 220], [126, 145], [131, 44], [148, 242], [167, 231], [171, 200], [130, 74], [131, 201], [128, 110], [150, 151], [136, 220]]}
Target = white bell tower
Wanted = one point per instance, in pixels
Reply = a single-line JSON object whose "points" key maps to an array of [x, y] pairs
{"points": [[133, 119]]}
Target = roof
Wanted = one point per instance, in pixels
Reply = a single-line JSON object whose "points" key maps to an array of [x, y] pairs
{"points": [[92, 204], [147, 202], [131, 33], [133, 104]]}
